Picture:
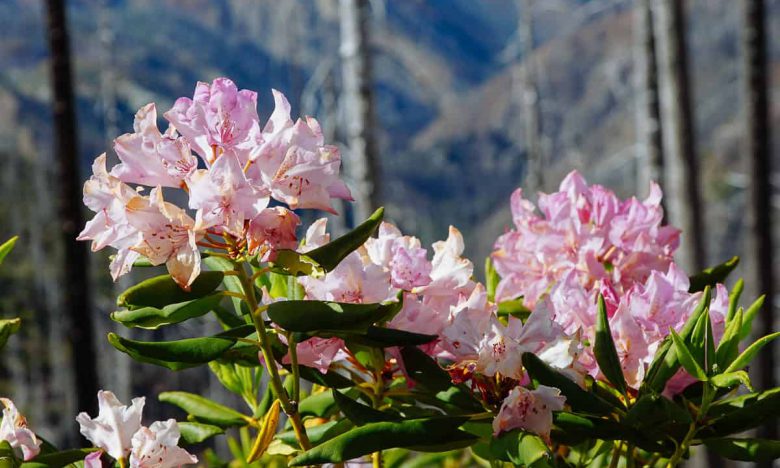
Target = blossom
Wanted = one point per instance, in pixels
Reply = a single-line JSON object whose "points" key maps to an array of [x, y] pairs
{"points": [[530, 410], [113, 429], [272, 229], [319, 353], [450, 272], [402, 255], [151, 158], [93, 460], [355, 280], [13, 430], [218, 119], [156, 447]]}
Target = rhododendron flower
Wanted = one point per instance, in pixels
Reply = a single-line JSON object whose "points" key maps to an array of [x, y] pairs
{"points": [[582, 230], [271, 230], [13, 430], [156, 447], [151, 158], [402, 255], [112, 430], [450, 272], [218, 119], [355, 280], [93, 460], [319, 353], [530, 410]]}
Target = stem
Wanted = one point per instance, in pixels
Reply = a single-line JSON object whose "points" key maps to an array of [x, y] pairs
{"points": [[678, 454], [376, 459], [270, 363], [630, 460], [616, 455], [293, 347], [377, 397]]}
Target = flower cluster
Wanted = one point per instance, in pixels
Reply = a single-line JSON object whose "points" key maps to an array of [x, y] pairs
{"points": [[229, 167], [117, 431]]}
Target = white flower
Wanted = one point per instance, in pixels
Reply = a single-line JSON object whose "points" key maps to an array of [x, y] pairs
{"points": [[14, 430], [156, 447], [115, 425]]}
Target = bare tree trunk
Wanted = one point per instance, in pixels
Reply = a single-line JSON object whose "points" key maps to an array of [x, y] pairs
{"points": [[650, 136], [681, 173], [76, 299], [527, 95], [362, 161], [757, 142]]}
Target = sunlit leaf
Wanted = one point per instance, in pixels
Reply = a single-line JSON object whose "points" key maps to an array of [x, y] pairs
{"points": [[604, 349], [205, 410]]}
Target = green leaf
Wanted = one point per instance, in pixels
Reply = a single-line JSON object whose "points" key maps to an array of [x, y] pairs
{"points": [[370, 357], [736, 293], [731, 379], [7, 328], [383, 337], [152, 318], [576, 397], [586, 427], [742, 413], [729, 345], [422, 369], [491, 279], [686, 358], [713, 275], [331, 317], [604, 349], [232, 282], [373, 437], [656, 413], [515, 308], [319, 433], [750, 314], [7, 247], [161, 291], [195, 433], [179, 354], [63, 458], [745, 449], [7, 457], [327, 257], [750, 352], [359, 413], [204, 410], [519, 448], [665, 363], [320, 405]]}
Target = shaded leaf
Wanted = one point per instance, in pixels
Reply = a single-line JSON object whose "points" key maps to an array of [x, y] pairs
{"points": [[604, 349], [734, 295], [728, 348], [332, 317], [745, 449], [742, 413], [713, 275], [319, 433], [686, 358], [161, 291], [63, 458], [359, 413], [750, 314], [205, 410]]}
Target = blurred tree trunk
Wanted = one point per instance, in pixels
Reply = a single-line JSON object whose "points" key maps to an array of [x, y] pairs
{"points": [[362, 161], [650, 136], [528, 95], [757, 143], [681, 172], [76, 299]]}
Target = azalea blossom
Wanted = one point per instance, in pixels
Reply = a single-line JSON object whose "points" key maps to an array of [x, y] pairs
{"points": [[13, 430], [271, 230], [113, 429], [156, 446], [319, 353], [530, 410]]}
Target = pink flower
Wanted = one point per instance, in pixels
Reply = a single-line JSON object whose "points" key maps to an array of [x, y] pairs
{"points": [[450, 272], [167, 236], [112, 430], [319, 353], [469, 323], [218, 119], [151, 158], [402, 255], [223, 196], [316, 235], [157, 447], [530, 410], [355, 280], [271, 230], [13, 430], [93, 460]]}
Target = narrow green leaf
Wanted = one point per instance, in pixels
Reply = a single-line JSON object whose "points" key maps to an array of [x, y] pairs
{"points": [[320, 405], [686, 358], [754, 450], [383, 337], [161, 291], [7, 328], [331, 317], [195, 433], [514, 308], [62, 458], [519, 447], [359, 413], [710, 358], [204, 410], [713, 275], [7, 247], [731, 379], [698, 341], [374, 437], [231, 282], [319, 433], [750, 352], [604, 349], [750, 314], [741, 413], [736, 293], [152, 318], [728, 349], [423, 370], [576, 397], [491, 279]]}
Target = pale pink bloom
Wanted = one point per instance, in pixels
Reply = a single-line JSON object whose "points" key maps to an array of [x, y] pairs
{"points": [[13, 430], [157, 447], [450, 272], [530, 410], [93, 460], [402, 255], [633, 350], [271, 230], [319, 353], [219, 118], [469, 323], [418, 317], [294, 162], [107, 196], [223, 196], [151, 158], [356, 280], [316, 235], [112, 430], [168, 236]]}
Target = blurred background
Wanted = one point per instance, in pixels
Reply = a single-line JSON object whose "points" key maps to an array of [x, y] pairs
{"points": [[441, 107]]}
